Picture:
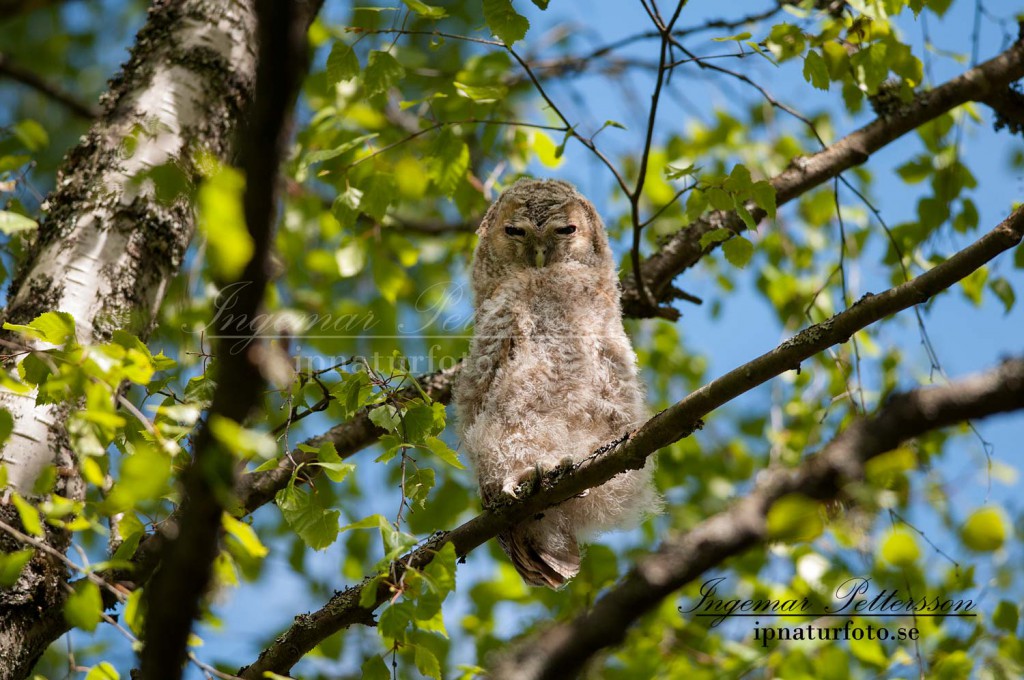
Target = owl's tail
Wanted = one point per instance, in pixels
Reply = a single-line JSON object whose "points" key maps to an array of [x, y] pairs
{"points": [[542, 560]]}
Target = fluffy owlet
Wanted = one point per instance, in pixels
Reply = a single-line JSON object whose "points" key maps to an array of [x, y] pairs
{"points": [[551, 375]]}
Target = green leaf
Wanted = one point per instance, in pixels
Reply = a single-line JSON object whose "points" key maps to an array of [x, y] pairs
{"points": [[900, 549], [245, 535], [31, 134], [422, 420], [714, 236], [11, 565], [1000, 286], [386, 417], [342, 62], [418, 485], [719, 198], [14, 223], [56, 328], [741, 210], [738, 37], [967, 218], [377, 194], [870, 651], [427, 663], [546, 150], [449, 161], [222, 222], [440, 573], [1006, 615], [738, 251], [102, 671], [973, 285], [371, 522], [763, 194], [484, 94], [794, 518], [350, 258], [543, 4], [444, 452], [953, 666], [508, 25], [29, 515], [327, 154], [84, 607], [425, 10], [328, 459], [6, 428], [739, 181], [241, 440], [395, 620], [374, 668], [382, 72], [984, 530], [134, 611], [144, 477], [316, 525], [673, 172], [816, 70]]}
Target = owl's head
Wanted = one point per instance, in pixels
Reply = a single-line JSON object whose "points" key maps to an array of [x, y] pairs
{"points": [[541, 223]]}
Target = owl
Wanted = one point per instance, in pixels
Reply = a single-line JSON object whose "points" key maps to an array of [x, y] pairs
{"points": [[551, 375]]}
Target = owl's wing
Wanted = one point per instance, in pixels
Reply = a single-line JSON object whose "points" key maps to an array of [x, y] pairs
{"points": [[493, 348]]}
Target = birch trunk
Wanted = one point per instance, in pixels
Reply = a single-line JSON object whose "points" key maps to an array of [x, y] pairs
{"points": [[107, 249]]}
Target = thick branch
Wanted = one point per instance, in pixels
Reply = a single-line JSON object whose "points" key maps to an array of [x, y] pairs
{"points": [[561, 650], [683, 250], [631, 452], [177, 588]]}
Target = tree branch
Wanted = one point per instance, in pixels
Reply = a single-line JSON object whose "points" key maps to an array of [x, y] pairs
{"points": [[258, 488], [683, 250], [561, 650], [631, 452], [48, 89], [177, 588]]}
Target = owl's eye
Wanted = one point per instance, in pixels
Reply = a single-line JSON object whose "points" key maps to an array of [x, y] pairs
{"points": [[515, 231], [567, 229]]}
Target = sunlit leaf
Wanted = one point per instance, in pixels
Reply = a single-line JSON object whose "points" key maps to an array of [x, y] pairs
{"points": [[508, 25], [11, 565], [14, 223], [984, 530], [794, 518], [222, 222], [84, 607]]}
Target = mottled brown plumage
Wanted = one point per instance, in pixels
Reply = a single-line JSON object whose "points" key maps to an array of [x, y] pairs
{"points": [[551, 374]]}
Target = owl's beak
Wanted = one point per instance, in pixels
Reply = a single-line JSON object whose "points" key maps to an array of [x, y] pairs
{"points": [[538, 258]]}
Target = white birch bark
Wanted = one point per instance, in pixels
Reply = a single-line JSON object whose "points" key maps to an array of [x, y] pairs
{"points": [[107, 250]]}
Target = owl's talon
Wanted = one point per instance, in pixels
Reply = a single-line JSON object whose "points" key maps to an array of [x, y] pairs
{"points": [[509, 488]]}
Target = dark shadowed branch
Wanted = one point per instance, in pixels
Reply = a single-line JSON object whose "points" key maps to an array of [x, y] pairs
{"points": [[32, 79], [631, 452], [176, 590], [561, 650]]}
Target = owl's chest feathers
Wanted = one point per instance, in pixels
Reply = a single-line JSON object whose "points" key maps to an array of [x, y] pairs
{"points": [[558, 308]]}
